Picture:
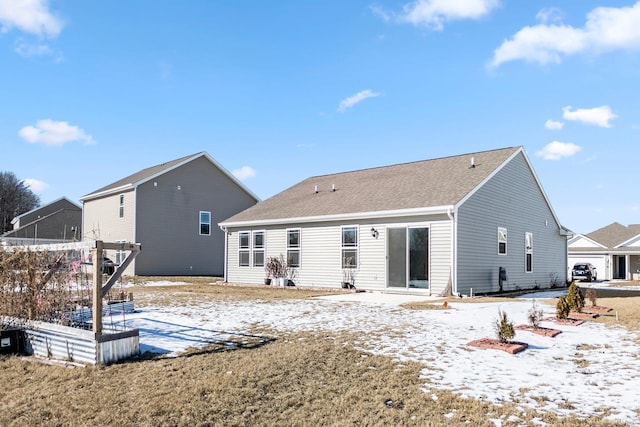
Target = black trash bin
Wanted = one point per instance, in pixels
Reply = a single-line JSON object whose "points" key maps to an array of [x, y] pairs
{"points": [[11, 341]]}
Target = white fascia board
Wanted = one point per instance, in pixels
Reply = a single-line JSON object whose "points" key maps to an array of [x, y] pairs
{"points": [[626, 242], [342, 217], [499, 168], [108, 192], [582, 236], [213, 161]]}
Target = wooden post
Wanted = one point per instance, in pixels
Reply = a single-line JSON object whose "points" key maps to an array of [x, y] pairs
{"points": [[97, 254]]}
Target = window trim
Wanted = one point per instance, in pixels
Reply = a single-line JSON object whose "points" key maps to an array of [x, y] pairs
{"points": [[201, 223], [350, 247], [528, 252], [244, 249], [297, 248], [121, 206], [503, 231], [255, 249]]}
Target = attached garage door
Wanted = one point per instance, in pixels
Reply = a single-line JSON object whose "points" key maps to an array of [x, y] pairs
{"points": [[598, 262]]}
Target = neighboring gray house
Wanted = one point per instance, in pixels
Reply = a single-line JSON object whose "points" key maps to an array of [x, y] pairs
{"points": [[429, 226], [614, 250], [57, 221], [172, 210]]}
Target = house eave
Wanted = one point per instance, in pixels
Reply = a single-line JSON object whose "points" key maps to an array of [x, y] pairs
{"points": [[397, 213], [109, 192]]}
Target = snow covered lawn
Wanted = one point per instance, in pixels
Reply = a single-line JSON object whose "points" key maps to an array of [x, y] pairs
{"points": [[586, 370]]}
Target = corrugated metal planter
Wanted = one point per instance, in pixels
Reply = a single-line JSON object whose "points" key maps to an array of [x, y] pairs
{"points": [[78, 345]]}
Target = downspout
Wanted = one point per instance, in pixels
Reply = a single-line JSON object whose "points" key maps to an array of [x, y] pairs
{"points": [[226, 251], [454, 250]]}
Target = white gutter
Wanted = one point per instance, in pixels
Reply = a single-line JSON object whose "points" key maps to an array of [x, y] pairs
{"points": [[338, 217], [454, 250], [107, 192], [226, 252]]}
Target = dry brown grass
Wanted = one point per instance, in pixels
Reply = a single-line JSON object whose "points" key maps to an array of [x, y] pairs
{"points": [[296, 380], [627, 309]]}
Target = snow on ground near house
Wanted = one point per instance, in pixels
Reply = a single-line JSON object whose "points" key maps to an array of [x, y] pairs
{"points": [[587, 369]]}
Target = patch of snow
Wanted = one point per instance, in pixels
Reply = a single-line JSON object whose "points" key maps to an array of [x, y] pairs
{"points": [[545, 376]]}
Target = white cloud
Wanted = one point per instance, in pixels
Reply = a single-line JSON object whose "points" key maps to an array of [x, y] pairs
{"points": [[29, 16], [434, 13], [35, 185], [29, 50], [50, 132], [557, 150], [553, 125], [549, 14], [354, 99], [245, 172], [599, 116], [606, 29]]}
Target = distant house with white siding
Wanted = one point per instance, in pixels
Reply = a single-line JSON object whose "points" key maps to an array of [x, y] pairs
{"points": [[172, 210], [433, 226], [614, 250]]}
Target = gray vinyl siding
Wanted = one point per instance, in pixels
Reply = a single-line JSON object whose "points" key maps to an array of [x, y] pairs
{"points": [[168, 221], [320, 253], [513, 200]]}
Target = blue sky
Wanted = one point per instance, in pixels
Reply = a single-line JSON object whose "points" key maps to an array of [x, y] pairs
{"points": [[92, 91]]}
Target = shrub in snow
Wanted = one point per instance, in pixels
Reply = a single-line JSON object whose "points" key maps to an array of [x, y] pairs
{"points": [[592, 296], [504, 328], [535, 315], [562, 308], [575, 298]]}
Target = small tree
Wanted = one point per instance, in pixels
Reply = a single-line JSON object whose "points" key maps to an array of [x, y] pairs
{"points": [[592, 296], [575, 298], [562, 308], [535, 315], [504, 328]]}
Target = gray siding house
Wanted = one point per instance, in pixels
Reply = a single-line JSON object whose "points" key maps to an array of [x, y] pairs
{"points": [[614, 250], [172, 210], [435, 226], [57, 221]]}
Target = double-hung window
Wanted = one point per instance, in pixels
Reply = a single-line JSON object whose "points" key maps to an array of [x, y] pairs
{"points": [[244, 249], [349, 253], [293, 247], [121, 207], [258, 248], [502, 241], [528, 252], [205, 223]]}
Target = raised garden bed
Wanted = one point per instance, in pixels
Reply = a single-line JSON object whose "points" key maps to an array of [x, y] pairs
{"points": [[568, 322], [547, 332], [511, 347], [582, 315], [596, 309]]}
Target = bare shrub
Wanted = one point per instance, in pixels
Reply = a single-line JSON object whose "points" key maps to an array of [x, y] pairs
{"points": [[33, 286], [535, 315], [592, 296]]}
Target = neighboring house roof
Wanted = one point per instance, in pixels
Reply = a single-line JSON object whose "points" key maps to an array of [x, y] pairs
{"points": [[615, 234], [19, 217], [138, 178], [437, 184]]}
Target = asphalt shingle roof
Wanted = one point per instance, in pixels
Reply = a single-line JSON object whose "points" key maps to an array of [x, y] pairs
{"points": [[614, 234], [423, 184]]}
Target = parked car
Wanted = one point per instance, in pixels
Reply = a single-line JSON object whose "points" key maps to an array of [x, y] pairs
{"points": [[584, 271]]}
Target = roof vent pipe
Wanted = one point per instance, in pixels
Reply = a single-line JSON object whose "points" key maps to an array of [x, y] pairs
{"points": [[316, 189], [333, 187], [473, 162]]}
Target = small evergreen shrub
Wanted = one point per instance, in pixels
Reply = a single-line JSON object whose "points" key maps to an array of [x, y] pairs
{"points": [[575, 298], [592, 296], [562, 308], [535, 315], [504, 328]]}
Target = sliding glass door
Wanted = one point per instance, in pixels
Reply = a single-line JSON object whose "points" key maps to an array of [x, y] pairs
{"points": [[408, 258]]}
